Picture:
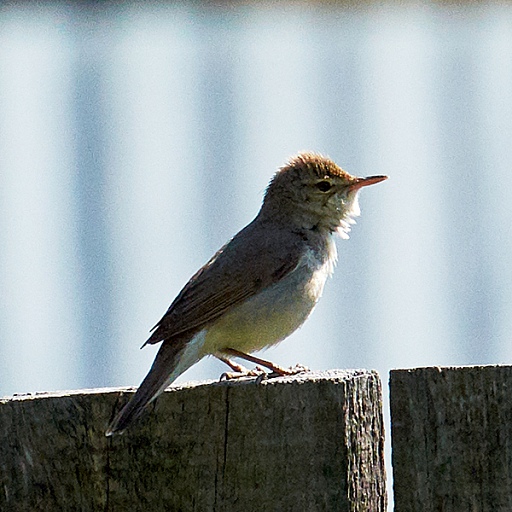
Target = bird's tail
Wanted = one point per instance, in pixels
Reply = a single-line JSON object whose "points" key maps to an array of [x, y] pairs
{"points": [[169, 364]]}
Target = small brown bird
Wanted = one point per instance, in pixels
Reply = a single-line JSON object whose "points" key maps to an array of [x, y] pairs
{"points": [[263, 284]]}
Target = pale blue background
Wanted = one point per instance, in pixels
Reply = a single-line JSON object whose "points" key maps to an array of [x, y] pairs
{"points": [[136, 139]]}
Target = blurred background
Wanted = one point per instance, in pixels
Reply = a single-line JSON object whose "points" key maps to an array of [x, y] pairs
{"points": [[137, 138]]}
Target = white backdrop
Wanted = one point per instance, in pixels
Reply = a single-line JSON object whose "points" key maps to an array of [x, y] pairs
{"points": [[136, 139]]}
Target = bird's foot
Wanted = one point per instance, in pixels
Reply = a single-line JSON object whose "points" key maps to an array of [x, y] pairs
{"points": [[241, 372], [298, 368], [275, 369], [279, 371], [261, 374]]}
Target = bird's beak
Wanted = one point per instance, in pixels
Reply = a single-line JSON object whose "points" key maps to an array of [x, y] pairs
{"points": [[364, 182]]}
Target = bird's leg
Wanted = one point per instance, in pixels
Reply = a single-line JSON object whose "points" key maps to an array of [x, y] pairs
{"points": [[238, 369], [274, 368]]}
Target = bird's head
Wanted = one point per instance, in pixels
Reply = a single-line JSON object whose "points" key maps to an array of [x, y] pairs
{"points": [[314, 193]]}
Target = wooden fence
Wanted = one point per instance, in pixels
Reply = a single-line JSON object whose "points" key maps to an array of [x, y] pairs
{"points": [[452, 439], [311, 442], [305, 443]]}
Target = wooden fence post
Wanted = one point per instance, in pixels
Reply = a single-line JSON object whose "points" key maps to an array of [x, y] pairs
{"points": [[452, 439], [304, 443]]}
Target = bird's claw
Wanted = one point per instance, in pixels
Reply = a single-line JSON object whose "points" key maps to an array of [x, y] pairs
{"points": [[262, 375], [298, 368], [255, 372], [279, 371]]}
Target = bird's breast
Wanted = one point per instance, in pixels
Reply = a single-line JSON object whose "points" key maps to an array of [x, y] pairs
{"points": [[274, 313]]}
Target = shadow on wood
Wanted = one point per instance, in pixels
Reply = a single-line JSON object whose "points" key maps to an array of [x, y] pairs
{"points": [[304, 443]]}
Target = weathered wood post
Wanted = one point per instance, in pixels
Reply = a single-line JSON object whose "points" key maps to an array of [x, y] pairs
{"points": [[304, 443], [452, 439]]}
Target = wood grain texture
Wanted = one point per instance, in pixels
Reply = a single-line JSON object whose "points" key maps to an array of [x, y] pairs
{"points": [[452, 439], [308, 442]]}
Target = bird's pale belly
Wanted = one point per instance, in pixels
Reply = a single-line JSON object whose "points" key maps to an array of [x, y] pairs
{"points": [[270, 316]]}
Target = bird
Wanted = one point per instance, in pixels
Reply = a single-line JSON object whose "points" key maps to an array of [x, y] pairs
{"points": [[260, 286]]}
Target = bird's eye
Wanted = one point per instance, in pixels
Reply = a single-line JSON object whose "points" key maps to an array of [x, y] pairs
{"points": [[324, 186]]}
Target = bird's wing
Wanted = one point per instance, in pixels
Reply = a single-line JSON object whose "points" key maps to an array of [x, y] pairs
{"points": [[243, 267]]}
